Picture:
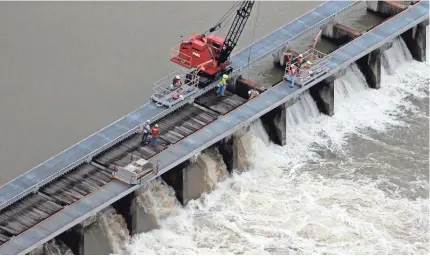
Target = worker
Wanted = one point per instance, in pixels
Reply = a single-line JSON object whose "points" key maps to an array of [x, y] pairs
{"points": [[222, 84], [252, 94], [299, 62], [293, 73], [154, 133], [176, 84], [290, 59], [146, 129]]}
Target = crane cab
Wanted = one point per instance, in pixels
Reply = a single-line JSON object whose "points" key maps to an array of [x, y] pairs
{"points": [[198, 51], [134, 172]]}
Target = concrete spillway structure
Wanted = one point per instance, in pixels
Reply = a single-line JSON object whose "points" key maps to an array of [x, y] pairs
{"points": [[87, 187]]}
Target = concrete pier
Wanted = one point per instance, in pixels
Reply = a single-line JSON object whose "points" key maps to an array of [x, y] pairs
{"points": [[415, 38], [175, 179], [370, 66], [225, 148], [385, 9], [231, 149], [323, 95], [241, 86], [97, 235], [275, 123], [194, 180], [200, 174], [74, 239], [137, 220], [340, 34]]}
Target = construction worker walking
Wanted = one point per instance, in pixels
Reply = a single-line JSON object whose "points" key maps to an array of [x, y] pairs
{"points": [[252, 94], [146, 130], [154, 133], [222, 85]]}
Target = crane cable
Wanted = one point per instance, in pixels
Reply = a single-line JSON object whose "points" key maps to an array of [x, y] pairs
{"points": [[253, 35], [223, 18], [228, 22]]}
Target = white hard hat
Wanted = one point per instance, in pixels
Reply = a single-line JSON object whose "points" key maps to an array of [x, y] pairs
{"points": [[300, 55], [249, 92], [156, 125], [181, 97], [177, 77], [225, 76]]}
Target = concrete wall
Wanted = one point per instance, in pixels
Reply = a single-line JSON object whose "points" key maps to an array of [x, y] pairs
{"points": [[415, 38], [99, 234], [275, 123], [386, 9], [340, 34], [370, 66], [323, 95]]}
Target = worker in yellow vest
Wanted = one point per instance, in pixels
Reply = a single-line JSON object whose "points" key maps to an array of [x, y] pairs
{"points": [[222, 85]]}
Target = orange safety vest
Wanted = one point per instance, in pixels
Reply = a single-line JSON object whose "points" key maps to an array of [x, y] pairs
{"points": [[293, 71], [155, 132]]}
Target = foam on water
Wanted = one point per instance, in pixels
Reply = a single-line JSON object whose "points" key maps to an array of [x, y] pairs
{"points": [[279, 207], [159, 200], [216, 170], [115, 229]]}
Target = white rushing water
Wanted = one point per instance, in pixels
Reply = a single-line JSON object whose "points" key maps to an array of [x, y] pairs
{"points": [[300, 199]]}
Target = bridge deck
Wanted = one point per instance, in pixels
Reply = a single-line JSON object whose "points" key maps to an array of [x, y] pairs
{"points": [[124, 127], [86, 178], [213, 132]]}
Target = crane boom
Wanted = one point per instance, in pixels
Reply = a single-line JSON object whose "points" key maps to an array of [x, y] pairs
{"points": [[236, 29]]}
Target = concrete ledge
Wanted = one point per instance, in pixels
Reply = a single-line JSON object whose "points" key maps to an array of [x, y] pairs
{"points": [[340, 34], [385, 9], [370, 66], [323, 95], [415, 39]]}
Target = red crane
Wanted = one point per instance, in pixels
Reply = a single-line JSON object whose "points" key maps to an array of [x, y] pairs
{"points": [[209, 55]]}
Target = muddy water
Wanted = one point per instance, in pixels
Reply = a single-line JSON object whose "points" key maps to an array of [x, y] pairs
{"points": [[67, 69]]}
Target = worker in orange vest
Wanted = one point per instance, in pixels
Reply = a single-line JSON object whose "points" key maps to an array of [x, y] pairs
{"points": [[154, 133]]}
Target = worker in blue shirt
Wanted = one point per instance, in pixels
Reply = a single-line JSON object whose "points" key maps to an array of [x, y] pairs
{"points": [[146, 129], [222, 84]]}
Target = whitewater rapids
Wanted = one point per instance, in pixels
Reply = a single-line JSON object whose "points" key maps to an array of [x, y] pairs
{"points": [[354, 183]]}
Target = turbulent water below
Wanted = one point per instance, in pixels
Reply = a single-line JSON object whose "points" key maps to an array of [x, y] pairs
{"points": [[354, 183]]}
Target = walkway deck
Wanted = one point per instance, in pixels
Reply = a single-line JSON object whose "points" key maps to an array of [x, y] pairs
{"points": [[214, 132], [37, 177]]}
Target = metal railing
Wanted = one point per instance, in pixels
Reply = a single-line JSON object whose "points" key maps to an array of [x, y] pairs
{"points": [[182, 58], [318, 67], [306, 31], [165, 91]]}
